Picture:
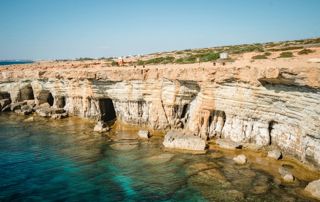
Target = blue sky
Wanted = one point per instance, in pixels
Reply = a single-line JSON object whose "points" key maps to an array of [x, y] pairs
{"points": [[52, 29]]}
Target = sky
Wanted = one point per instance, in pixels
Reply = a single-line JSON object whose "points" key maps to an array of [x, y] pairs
{"points": [[67, 29]]}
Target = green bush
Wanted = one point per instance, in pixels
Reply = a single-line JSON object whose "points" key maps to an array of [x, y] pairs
{"points": [[258, 57], [140, 62], [245, 48], [264, 56], [285, 48], [207, 57], [305, 52], [286, 55], [114, 63], [83, 59]]}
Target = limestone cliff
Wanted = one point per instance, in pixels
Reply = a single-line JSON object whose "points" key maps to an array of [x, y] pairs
{"points": [[274, 102]]}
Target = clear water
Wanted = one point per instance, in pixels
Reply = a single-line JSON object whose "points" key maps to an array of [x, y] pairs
{"points": [[64, 160]]}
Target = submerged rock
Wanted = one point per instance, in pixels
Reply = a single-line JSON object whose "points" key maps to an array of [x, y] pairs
{"points": [[124, 146], [314, 189], [275, 154], [158, 159], [286, 175], [59, 116], [179, 140], [101, 127], [30, 119], [240, 159], [228, 144], [144, 134]]}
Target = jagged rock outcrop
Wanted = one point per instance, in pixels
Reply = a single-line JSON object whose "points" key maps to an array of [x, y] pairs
{"points": [[275, 102]]}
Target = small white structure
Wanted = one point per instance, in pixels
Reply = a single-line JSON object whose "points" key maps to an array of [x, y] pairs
{"points": [[223, 55]]}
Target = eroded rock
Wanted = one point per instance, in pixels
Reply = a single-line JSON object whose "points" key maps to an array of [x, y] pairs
{"points": [[286, 175], [228, 144], [180, 140], [314, 189], [240, 159], [101, 127], [275, 154], [144, 134]]}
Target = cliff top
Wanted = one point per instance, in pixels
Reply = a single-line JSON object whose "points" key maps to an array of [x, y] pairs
{"points": [[300, 66]]}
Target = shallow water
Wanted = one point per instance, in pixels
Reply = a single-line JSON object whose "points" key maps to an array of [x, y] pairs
{"points": [[64, 160]]}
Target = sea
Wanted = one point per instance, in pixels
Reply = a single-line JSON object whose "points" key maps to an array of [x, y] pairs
{"points": [[64, 160], [14, 62]]}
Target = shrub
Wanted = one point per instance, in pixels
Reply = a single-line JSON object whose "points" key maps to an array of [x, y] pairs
{"points": [[245, 48], [258, 57], [305, 52], [264, 56], [186, 60], [140, 62], [83, 59], [206, 57], [286, 55], [114, 63], [286, 48]]}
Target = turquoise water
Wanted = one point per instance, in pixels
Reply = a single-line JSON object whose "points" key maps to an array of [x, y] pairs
{"points": [[63, 160]]}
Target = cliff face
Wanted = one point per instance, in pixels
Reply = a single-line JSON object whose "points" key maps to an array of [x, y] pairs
{"points": [[265, 104]]}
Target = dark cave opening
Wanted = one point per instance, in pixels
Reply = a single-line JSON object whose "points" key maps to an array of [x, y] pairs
{"points": [[270, 128], [107, 110], [50, 99], [184, 110], [26, 93]]}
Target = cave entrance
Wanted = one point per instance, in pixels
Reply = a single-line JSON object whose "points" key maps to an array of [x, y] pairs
{"points": [[108, 113], [50, 99], [45, 96], [26, 93]]}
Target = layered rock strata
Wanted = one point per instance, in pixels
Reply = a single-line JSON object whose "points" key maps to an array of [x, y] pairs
{"points": [[277, 103]]}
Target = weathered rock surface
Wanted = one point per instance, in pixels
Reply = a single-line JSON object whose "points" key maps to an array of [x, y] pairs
{"points": [[314, 189], [228, 144], [275, 154], [286, 174], [264, 102], [144, 134], [240, 159], [179, 140], [30, 119], [101, 127]]}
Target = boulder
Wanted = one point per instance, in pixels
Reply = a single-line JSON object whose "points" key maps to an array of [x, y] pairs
{"points": [[240, 159], [44, 112], [101, 127], [228, 144], [275, 154], [144, 134], [180, 140], [30, 119], [286, 175], [59, 116], [26, 109], [314, 189]]}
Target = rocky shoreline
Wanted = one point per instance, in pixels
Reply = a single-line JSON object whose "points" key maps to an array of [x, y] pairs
{"points": [[272, 105]]}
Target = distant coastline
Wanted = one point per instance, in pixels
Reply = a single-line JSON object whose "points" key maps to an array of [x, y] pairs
{"points": [[14, 62]]}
